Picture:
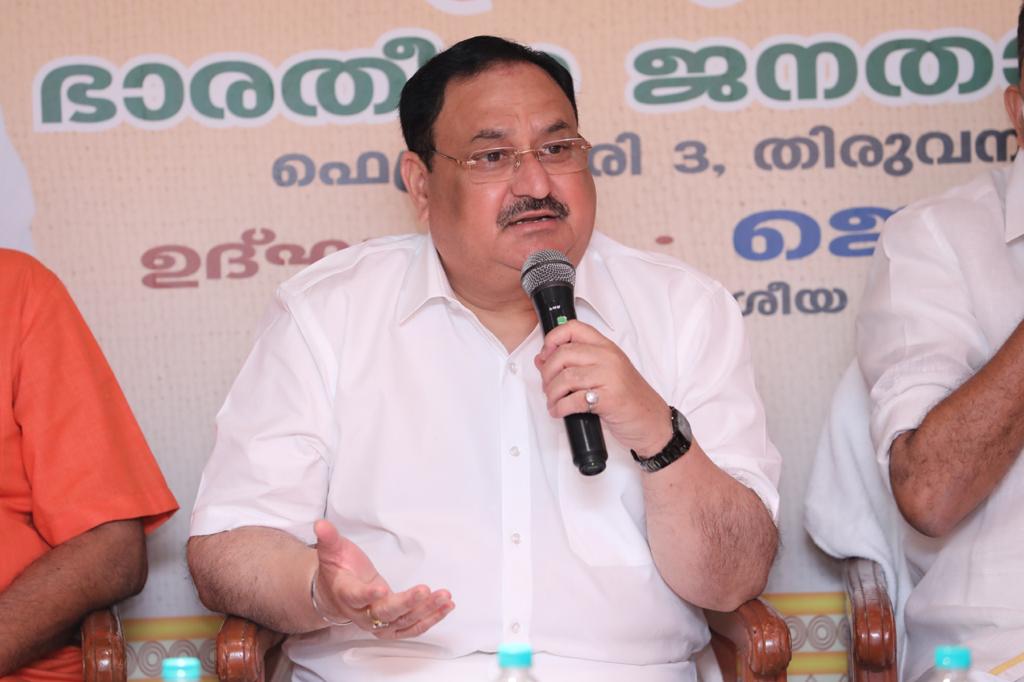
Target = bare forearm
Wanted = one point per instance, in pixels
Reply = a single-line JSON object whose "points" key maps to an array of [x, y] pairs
{"points": [[942, 470], [262, 574], [40, 610], [712, 538]]}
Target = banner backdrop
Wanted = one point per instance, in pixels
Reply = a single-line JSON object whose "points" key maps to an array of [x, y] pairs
{"points": [[185, 158]]}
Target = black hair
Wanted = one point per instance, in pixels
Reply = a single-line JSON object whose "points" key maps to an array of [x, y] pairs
{"points": [[423, 95], [1020, 40]]}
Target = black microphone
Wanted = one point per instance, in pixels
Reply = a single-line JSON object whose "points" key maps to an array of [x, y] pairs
{"points": [[548, 278]]}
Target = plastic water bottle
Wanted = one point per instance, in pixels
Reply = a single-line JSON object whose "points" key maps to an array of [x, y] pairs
{"points": [[186, 669], [952, 664], [515, 660]]}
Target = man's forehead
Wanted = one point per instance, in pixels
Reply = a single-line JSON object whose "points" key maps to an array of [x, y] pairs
{"points": [[484, 106]]}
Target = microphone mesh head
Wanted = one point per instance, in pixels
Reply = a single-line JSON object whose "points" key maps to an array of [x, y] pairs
{"points": [[546, 267]]}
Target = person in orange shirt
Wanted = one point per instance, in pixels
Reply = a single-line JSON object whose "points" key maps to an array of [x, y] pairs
{"points": [[79, 487]]}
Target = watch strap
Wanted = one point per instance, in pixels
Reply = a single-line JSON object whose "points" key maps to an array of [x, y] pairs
{"points": [[677, 446]]}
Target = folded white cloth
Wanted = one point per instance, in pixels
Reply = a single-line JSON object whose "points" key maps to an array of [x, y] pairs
{"points": [[849, 510]]}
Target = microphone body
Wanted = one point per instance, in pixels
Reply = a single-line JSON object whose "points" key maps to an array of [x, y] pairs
{"points": [[554, 301]]}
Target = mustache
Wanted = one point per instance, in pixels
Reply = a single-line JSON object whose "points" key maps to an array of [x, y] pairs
{"points": [[513, 211]]}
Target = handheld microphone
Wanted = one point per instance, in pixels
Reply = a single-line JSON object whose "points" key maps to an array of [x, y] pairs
{"points": [[548, 278]]}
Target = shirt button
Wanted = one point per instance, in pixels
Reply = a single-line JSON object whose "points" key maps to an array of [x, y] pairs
{"points": [[514, 627], [512, 367], [514, 451], [515, 538]]}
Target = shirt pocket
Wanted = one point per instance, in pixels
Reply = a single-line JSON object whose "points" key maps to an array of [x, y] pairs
{"points": [[603, 515]]}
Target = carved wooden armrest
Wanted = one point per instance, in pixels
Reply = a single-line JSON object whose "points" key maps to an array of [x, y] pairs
{"points": [[242, 648], [103, 655], [872, 625], [760, 637]]}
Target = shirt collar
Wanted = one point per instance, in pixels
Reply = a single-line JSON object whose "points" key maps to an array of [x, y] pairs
{"points": [[594, 281], [425, 280], [1014, 217]]}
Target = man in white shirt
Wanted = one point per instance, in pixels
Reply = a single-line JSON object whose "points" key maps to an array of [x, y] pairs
{"points": [[16, 204], [395, 440], [941, 344]]}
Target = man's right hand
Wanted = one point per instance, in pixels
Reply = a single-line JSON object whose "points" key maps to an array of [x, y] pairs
{"points": [[348, 586]]}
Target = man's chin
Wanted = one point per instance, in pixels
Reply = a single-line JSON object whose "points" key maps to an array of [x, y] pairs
{"points": [[527, 242], [530, 238]]}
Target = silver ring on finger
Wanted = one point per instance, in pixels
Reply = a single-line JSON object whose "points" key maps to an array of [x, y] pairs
{"points": [[592, 399]]}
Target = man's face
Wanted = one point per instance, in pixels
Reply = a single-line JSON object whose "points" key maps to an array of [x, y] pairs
{"points": [[484, 232], [1015, 108]]}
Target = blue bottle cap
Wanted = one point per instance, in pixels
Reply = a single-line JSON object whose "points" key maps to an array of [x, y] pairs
{"points": [[186, 668], [515, 655], [952, 657]]}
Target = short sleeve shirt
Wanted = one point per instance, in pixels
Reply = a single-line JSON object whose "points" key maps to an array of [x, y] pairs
{"points": [[72, 456]]}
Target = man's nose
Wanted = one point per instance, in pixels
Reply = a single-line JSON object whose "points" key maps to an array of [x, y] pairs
{"points": [[530, 178]]}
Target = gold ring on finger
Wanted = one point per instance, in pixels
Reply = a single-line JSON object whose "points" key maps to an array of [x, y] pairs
{"points": [[376, 623]]}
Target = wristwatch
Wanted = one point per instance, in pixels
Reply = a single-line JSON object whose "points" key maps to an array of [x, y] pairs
{"points": [[678, 445]]}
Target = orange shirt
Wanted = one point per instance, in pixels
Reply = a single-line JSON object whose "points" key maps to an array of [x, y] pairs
{"points": [[72, 456]]}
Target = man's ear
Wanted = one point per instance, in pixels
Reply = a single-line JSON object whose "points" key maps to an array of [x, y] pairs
{"points": [[1015, 110], [416, 177]]}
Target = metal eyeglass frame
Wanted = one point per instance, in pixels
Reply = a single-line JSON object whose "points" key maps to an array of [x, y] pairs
{"points": [[468, 164]]}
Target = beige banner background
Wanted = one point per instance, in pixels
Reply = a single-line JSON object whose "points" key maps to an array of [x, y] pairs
{"points": [[111, 189]]}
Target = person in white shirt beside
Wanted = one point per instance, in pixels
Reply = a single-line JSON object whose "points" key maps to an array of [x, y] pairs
{"points": [[394, 443], [941, 345], [16, 204]]}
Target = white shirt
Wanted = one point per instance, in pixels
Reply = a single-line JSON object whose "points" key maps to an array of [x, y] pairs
{"points": [[375, 399], [945, 290]]}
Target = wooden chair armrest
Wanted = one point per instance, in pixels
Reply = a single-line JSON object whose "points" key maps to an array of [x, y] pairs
{"points": [[761, 638], [872, 625], [242, 648], [759, 635], [103, 654]]}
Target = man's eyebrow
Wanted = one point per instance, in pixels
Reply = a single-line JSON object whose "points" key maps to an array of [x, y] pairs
{"points": [[489, 134], [557, 126], [499, 134]]}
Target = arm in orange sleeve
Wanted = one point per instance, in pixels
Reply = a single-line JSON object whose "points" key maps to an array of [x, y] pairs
{"points": [[81, 484]]}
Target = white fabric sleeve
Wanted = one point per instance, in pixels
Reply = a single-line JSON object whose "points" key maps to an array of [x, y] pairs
{"points": [[276, 435], [716, 392], [916, 338]]}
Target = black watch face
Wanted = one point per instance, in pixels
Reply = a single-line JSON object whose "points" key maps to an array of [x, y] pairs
{"points": [[677, 446], [682, 426]]}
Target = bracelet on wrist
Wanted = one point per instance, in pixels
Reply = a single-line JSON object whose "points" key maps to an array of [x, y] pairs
{"points": [[316, 603]]}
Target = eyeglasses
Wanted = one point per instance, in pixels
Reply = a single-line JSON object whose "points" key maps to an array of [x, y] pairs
{"points": [[499, 164]]}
